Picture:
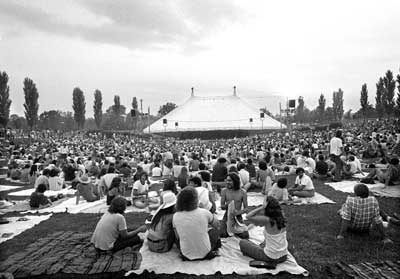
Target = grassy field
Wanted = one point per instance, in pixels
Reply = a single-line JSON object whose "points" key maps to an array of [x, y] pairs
{"points": [[311, 235]]}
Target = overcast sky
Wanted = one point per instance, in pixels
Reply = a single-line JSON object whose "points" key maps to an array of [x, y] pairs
{"points": [[157, 50]]}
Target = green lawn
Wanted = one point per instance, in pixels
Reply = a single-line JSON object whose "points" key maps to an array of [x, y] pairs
{"points": [[311, 235]]}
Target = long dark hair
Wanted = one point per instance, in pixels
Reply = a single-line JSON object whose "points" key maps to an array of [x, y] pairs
{"points": [[33, 170], [188, 199], [170, 185], [158, 217], [274, 212]]}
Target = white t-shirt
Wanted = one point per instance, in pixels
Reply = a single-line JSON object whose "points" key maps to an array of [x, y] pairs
{"points": [[106, 179], [306, 181], [107, 230], [335, 146], [176, 170], [244, 177], [192, 230], [140, 187], [156, 171], [204, 200]]}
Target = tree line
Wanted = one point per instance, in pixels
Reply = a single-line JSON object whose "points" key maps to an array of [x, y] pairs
{"points": [[387, 104], [116, 116]]}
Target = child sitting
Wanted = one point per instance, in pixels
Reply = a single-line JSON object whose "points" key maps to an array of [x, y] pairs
{"points": [[139, 191], [38, 199], [279, 190]]}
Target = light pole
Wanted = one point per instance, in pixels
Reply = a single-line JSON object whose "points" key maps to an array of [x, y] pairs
{"points": [[251, 123], [262, 120], [165, 126]]}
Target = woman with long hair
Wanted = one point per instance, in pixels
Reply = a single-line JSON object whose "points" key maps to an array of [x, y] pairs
{"points": [[161, 235], [274, 248], [111, 232], [116, 189], [196, 229]]}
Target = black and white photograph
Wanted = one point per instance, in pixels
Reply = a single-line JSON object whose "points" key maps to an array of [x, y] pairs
{"points": [[207, 139]]}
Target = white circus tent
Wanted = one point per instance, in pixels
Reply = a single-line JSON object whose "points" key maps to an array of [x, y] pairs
{"points": [[214, 113]]}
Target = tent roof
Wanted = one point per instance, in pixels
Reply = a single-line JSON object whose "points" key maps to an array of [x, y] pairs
{"points": [[214, 113]]}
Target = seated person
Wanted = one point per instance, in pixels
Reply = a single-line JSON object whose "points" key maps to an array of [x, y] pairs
{"points": [[111, 231], [303, 185], [161, 235], [156, 170], [274, 248], [360, 212], [205, 197], [38, 199], [87, 190], [244, 176], [351, 167], [279, 190], [116, 190], [264, 177], [15, 173], [196, 229], [321, 168], [183, 178], [25, 174], [56, 183], [234, 193], [140, 191], [390, 176]]}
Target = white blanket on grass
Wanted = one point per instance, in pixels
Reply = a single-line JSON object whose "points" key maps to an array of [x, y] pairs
{"points": [[16, 181], [49, 193], [231, 260], [257, 199], [68, 205], [16, 227], [378, 189], [8, 187], [103, 207]]}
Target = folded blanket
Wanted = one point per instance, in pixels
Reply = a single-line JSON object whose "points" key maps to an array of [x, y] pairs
{"points": [[15, 227], [16, 206], [231, 260], [257, 199], [8, 187], [378, 189]]}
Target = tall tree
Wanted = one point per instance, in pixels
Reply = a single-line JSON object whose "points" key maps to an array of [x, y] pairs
{"points": [[398, 96], [135, 109], [79, 107], [5, 101], [31, 102], [50, 120], [380, 88], [321, 106], [389, 85], [117, 105], [364, 99], [98, 108], [165, 109], [337, 104]]}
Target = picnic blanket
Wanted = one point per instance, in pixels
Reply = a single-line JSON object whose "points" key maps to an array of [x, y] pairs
{"points": [[8, 187], [15, 227], [68, 252], [231, 260], [257, 199], [67, 205], [378, 189], [103, 207], [16, 206], [376, 270], [49, 193]]}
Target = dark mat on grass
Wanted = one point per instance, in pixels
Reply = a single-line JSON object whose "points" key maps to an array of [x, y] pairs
{"points": [[68, 253], [382, 269]]}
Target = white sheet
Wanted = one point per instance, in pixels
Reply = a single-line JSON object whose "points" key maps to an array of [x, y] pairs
{"points": [[8, 187], [257, 199], [68, 205], [16, 181], [377, 188], [2, 176], [48, 193], [230, 260], [16, 227]]}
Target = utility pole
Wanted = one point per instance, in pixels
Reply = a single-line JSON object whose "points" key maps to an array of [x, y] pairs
{"points": [[148, 118], [141, 106]]}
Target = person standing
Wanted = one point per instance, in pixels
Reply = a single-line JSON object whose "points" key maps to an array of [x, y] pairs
{"points": [[335, 150]]}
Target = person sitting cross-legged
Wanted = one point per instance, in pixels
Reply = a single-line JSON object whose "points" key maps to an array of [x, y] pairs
{"points": [[303, 187], [359, 213], [111, 232], [196, 229], [86, 189]]}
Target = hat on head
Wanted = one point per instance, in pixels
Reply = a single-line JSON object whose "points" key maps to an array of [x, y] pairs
{"points": [[84, 179], [169, 199]]}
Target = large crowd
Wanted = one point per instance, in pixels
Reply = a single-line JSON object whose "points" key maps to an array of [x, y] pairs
{"points": [[195, 174]]}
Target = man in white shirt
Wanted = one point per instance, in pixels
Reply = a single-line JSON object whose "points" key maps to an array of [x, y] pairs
{"points": [[304, 187], [244, 176], [336, 149]]}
